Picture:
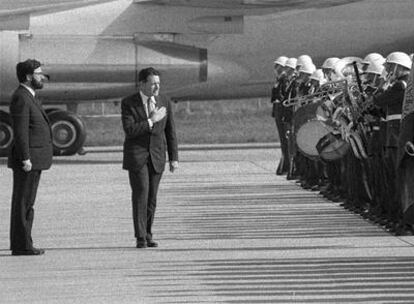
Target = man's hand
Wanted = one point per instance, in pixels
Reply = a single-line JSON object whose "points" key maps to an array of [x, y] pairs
{"points": [[158, 114], [27, 165], [173, 165]]}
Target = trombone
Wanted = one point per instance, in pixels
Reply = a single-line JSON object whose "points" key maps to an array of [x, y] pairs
{"points": [[334, 88]]}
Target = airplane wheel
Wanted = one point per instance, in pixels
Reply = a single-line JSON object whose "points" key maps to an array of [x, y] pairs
{"points": [[6, 133], [68, 131]]}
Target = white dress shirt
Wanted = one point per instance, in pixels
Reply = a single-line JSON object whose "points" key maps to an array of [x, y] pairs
{"points": [[152, 104], [29, 89]]}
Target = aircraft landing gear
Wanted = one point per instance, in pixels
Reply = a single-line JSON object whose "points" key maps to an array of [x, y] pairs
{"points": [[68, 132], [6, 133]]}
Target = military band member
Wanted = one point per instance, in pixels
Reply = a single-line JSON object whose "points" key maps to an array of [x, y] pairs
{"points": [[328, 68], [302, 85], [374, 116], [398, 65], [278, 110], [406, 159], [286, 93]]}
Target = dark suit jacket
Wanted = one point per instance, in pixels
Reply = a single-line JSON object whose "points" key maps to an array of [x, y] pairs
{"points": [[32, 133], [141, 143]]}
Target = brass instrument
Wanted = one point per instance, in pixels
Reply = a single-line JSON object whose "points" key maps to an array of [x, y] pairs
{"points": [[409, 148], [333, 88]]}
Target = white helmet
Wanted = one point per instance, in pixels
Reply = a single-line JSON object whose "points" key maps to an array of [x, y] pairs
{"points": [[344, 67], [375, 68], [303, 59], [400, 58], [307, 67], [281, 60], [373, 57], [291, 63], [319, 76], [330, 63]]}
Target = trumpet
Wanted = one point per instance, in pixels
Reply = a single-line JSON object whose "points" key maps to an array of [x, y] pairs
{"points": [[409, 148]]}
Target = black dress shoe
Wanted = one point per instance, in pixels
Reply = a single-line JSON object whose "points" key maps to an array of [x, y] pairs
{"points": [[151, 243], [33, 251], [141, 245]]}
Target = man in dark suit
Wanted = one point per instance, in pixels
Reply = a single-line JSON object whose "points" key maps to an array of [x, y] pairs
{"points": [[31, 153], [148, 122]]}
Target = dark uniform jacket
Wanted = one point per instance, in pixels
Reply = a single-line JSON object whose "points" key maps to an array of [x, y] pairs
{"points": [[289, 90], [278, 96], [391, 101], [143, 144], [407, 126], [32, 133]]}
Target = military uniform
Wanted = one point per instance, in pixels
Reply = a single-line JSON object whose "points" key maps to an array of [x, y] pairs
{"points": [[405, 167], [391, 101], [278, 112]]}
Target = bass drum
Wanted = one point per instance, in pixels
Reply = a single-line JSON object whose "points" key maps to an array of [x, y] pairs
{"points": [[332, 147], [310, 124]]}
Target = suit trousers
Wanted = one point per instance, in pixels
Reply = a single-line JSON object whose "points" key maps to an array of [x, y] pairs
{"points": [[144, 184], [25, 186]]}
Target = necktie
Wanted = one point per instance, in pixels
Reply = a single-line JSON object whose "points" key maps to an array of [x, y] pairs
{"points": [[149, 106]]}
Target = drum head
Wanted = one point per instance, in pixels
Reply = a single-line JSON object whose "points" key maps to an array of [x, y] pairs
{"points": [[309, 134], [305, 114]]}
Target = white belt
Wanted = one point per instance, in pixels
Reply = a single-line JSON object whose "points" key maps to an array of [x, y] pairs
{"points": [[376, 128], [393, 117]]}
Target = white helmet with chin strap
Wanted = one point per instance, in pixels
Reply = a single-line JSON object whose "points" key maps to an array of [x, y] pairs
{"points": [[308, 68], [344, 67], [373, 57], [399, 58], [329, 63], [281, 60], [375, 68], [291, 63], [303, 59], [318, 76]]}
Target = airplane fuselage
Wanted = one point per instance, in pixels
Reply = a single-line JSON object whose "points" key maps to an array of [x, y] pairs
{"points": [[95, 52]]}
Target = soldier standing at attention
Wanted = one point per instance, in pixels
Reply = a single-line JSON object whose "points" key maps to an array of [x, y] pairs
{"points": [[398, 64], [277, 111]]}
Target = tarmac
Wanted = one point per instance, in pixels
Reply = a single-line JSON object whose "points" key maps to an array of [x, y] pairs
{"points": [[229, 230]]}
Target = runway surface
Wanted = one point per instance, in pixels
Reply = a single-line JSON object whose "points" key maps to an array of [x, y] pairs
{"points": [[229, 229]]}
